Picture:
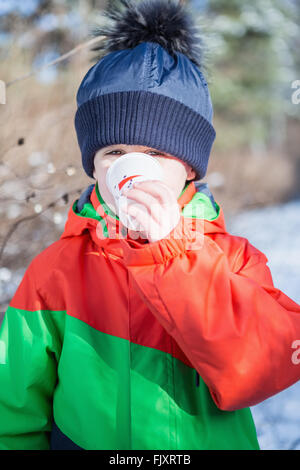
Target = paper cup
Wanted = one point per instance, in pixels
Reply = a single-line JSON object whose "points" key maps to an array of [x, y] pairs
{"points": [[126, 170]]}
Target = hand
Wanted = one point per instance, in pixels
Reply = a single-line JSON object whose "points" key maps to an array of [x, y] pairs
{"points": [[163, 211]]}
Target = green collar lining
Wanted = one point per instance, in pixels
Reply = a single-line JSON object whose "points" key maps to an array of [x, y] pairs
{"points": [[191, 210]]}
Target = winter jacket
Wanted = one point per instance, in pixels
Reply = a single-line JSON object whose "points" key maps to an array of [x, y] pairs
{"points": [[115, 343]]}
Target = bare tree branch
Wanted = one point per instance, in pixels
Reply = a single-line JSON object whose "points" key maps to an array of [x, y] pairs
{"points": [[76, 49], [30, 217]]}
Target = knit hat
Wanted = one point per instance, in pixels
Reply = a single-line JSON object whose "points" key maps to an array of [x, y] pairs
{"points": [[148, 88]]}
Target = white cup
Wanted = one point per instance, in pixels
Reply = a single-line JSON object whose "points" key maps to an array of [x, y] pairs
{"points": [[124, 172]]}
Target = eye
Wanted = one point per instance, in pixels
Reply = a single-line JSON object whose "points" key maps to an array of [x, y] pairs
{"points": [[112, 152], [157, 153]]}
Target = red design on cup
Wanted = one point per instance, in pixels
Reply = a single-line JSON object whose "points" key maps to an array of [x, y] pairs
{"points": [[123, 182]]}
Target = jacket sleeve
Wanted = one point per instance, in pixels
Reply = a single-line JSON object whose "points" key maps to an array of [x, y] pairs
{"points": [[29, 351], [235, 327]]}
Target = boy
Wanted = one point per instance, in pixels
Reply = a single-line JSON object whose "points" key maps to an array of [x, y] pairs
{"points": [[114, 341]]}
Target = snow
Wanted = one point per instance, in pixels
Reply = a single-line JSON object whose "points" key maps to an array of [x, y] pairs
{"points": [[275, 231]]}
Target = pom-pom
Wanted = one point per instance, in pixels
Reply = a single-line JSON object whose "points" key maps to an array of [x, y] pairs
{"points": [[166, 22]]}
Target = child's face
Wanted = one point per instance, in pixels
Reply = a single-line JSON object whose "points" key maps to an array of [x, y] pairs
{"points": [[176, 172]]}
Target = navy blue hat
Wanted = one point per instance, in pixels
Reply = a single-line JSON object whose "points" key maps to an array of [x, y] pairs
{"points": [[148, 89]]}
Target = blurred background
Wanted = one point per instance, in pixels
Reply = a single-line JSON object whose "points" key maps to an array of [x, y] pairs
{"points": [[254, 170]]}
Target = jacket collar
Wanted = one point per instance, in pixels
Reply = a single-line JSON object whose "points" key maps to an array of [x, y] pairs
{"points": [[106, 229]]}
